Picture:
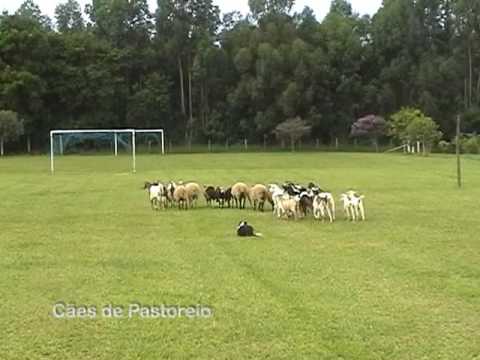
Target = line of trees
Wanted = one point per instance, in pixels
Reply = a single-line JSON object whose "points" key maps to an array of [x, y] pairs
{"points": [[204, 76]]}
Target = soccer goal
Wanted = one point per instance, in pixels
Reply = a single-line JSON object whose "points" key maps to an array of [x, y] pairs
{"points": [[116, 139]]}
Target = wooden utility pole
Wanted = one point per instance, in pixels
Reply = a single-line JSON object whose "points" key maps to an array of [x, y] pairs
{"points": [[459, 165]]}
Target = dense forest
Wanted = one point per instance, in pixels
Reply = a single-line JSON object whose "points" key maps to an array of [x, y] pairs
{"points": [[202, 75]]}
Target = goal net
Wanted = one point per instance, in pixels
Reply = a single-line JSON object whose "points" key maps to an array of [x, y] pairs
{"points": [[115, 142]]}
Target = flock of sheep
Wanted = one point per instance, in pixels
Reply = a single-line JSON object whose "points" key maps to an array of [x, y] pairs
{"points": [[288, 200]]}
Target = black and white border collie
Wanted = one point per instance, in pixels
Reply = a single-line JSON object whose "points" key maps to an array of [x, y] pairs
{"points": [[243, 229]]}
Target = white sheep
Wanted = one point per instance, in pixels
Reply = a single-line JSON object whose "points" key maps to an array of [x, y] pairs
{"points": [[276, 192], [170, 190], [353, 205], [324, 206], [157, 195], [283, 203]]}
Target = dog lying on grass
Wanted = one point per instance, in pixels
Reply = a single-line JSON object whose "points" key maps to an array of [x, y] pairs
{"points": [[244, 230]]}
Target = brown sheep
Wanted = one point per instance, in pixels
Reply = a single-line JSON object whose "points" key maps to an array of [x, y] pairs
{"points": [[270, 200], [240, 192], [180, 196], [259, 194], [193, 192], [289, 206]]}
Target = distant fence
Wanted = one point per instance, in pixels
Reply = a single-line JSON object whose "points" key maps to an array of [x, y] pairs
{"points": [[243, 146], [246, 146]]}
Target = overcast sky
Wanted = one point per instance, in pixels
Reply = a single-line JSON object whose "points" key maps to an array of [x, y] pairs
{"points": [[319, 6]]}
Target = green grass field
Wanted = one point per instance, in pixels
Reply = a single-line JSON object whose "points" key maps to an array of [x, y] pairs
{"points": [[405, 284]]}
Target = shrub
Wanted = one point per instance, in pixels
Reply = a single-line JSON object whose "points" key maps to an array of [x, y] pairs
{"points": [[472, 145], [411, 125], [445, 146]]}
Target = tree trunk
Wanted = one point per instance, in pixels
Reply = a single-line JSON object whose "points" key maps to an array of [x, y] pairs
{"points": [[470, 74], [1, 146], [207, 105], [477, 100], [29, 144], [202, 106], [457, 150], [189, 129], [190, 109], [292, 144], [182, 89]]}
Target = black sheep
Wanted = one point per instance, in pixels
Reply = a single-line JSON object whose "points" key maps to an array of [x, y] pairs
{"points": [[210, 194], [306, 203], [224, 196]]}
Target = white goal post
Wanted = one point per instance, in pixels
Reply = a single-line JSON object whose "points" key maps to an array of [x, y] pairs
{"points": [[115, 133]]}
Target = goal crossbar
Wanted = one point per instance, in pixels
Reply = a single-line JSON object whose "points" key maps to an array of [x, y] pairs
{"points": [[106, 131]]}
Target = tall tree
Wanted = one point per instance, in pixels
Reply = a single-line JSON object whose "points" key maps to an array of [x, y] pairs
{"points": [[122, 22], [69, 16], [11, 127], [30, 10], [260, 8], [468, 27], [25, 52], [186, 28], [344, 49]]}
